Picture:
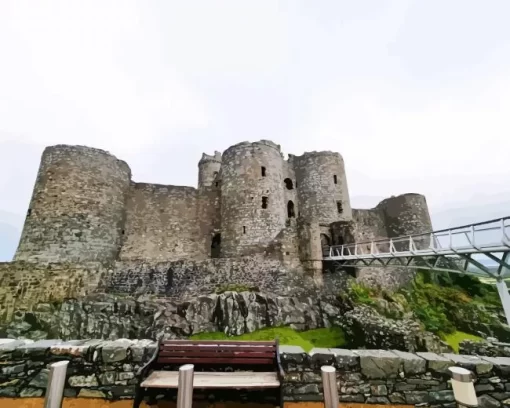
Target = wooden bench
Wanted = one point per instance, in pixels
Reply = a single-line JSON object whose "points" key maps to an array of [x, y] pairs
{"points": [[257, 364]]}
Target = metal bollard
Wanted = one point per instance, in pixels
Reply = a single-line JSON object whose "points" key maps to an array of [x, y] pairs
{"points": [[330, 388], [185, 386], [463, 387], [56, 382]]}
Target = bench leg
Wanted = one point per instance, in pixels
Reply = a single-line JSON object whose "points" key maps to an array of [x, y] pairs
{"points": [[139, 392]]}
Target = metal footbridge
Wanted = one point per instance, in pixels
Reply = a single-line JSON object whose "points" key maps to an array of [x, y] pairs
{"points": [[481, 249]]}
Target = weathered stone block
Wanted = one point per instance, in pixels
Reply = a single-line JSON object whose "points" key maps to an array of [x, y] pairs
{"points": [[501, 364], [115, 351], [321, 356], [86, 393], [472, 363], [378, 390], [416, 397], [38, 348], [377, 400], [40, 380], [436, 363], [442, 396], [351, 398], [83, 381], [486, 401], [31, 392], [293, 358], [411, 363], [346, 359], [378, 363]]}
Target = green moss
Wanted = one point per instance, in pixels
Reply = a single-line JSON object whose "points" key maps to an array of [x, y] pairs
{"points": [[330, 337], [235, 287], [454, 339]]}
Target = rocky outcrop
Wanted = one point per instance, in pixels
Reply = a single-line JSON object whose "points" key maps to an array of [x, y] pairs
{"points": [[112, 317], [369, 329]]}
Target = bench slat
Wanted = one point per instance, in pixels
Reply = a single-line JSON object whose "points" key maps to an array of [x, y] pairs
{"points": [[169, 379], [214, 360], [218, 354], [219, 342], [217, 347]]}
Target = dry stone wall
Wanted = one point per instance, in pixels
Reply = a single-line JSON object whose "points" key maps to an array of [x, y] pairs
{"points": [[108, 370]]}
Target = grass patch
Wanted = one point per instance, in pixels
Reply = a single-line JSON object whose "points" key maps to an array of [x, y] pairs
{"points": [[328, 338], [454, 339]]}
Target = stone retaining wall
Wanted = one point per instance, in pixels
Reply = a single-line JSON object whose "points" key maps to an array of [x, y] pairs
{"points": [[106, 369]]}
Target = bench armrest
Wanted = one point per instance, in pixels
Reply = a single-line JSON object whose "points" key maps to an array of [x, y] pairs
{"points": [[142, 370]]}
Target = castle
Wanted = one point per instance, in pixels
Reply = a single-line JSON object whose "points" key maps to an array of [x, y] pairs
{"points": [[250, 201]]}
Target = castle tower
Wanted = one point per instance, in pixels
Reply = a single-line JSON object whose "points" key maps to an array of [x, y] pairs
{"points": [[253, 210], [209, 169], [322, 189], [76, 212], [406, 214]]}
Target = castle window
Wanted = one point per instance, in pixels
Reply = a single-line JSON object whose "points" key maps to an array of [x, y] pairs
{"points": [[335, 179], [288, 184], [339, 207], [264, 202], [215, 246], [29, 212], [244, 229], [216, 184], [263, 171], [290, 210], [123, 232]]}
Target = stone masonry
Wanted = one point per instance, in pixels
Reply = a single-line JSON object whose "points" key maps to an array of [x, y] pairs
{"points": [[108, 370], [250, 201]]}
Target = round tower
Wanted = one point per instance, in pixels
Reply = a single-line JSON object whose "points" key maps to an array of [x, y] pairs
{"points": [[209, 169], [406, 214], [322, 189], [253, 210], [76, 213]]}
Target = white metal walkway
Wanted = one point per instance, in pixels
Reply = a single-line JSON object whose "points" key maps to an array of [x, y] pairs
{"points": [[458, 250]]}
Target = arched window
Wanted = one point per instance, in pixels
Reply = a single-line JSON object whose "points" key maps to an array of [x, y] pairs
{"points": [[339, 207], [288, 184], [335, 180], [290, 210], [264, 202]]}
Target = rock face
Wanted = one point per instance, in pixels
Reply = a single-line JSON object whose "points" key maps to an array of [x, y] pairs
{"points": [[112, 317]]}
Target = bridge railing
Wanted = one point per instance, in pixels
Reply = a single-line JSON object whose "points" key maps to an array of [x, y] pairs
{"points": [[488, 236]]}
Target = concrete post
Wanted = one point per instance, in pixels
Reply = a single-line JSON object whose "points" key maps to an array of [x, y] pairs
{"points": [[463, 387], [505, 298], [185, 386], [56, 383], [330, 388]]}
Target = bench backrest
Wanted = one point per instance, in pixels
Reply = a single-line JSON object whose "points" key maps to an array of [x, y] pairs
{"points": [[218, 352]]}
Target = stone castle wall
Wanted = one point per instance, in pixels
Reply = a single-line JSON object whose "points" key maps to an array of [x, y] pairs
{"points": [[186, 279], [107, 370], [161, 224], [322, 187], [253, 210], [24, 285], [76, 213]]}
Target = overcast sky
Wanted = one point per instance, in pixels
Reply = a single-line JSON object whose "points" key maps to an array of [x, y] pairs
{"points": [[414, 94]]}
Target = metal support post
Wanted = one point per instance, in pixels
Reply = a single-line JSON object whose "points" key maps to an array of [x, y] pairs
{"points": [[330, 388], [463, 387], [185, 386], [505, 298], [56, 382]]}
